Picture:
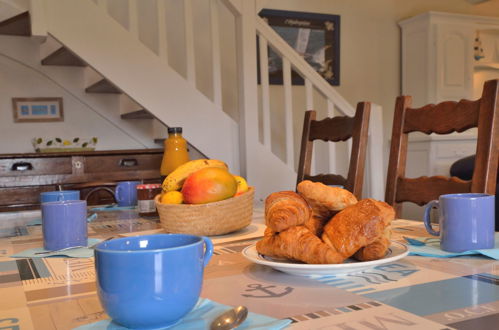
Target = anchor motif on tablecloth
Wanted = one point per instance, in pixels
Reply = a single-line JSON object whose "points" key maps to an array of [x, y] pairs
{"points": [[265, 289]]}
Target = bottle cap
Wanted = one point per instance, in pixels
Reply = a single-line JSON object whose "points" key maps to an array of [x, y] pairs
{"points": [[174, 130]]}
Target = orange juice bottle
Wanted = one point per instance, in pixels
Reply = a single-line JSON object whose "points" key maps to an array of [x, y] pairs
{"points": [[175, 153]]}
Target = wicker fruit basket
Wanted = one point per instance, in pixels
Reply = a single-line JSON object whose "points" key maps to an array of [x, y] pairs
{"points": [[216, 218]]}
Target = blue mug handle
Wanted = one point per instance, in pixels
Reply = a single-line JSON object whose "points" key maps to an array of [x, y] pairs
{"points": [[427, 217], [117, 194], [208, 251]]}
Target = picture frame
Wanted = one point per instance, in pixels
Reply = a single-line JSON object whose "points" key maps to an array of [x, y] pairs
{"points": [[37, 109], [316, 37]]}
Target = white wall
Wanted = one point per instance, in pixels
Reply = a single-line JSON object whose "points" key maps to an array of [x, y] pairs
{"points": [[85, 115]]}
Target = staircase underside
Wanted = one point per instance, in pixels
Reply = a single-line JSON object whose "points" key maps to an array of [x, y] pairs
{"points": [[103, 86], [65, 57], [139, 114], [18, 25]]}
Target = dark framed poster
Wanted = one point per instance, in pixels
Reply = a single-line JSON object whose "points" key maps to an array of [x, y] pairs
{"points": [[316, 37]]}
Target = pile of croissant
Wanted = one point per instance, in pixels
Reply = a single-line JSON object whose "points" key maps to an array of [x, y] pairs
{"points": [[324, 225]]}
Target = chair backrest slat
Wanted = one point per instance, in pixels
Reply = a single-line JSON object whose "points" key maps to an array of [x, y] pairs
{"points": [[424, 189], [327, 179], [442, 118], [341, 126]]}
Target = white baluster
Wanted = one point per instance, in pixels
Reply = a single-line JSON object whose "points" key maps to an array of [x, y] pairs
{"points": [[309, 101], [332, 145], [264, 84], [349, 149], [309, 94], [375, 166], [133, 18], [38, 20], [162, 29], [215, 53], [288, 111], [189, 42]]}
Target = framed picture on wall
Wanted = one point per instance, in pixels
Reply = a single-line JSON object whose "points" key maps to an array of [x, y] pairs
{"points": [[37, 109], [316, 37]]}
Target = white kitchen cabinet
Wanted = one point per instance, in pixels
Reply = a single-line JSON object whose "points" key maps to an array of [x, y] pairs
{"points": [[438, 65]]}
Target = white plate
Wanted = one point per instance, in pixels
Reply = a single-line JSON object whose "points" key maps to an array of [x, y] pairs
{"points": [[396, 251]]}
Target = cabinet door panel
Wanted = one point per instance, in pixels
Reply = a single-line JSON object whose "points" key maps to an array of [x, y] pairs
{"points": [[454, 62], [456, 150]]}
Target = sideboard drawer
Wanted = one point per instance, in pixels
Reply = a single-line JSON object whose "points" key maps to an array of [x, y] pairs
{"points": [[122, 163], [22, 195], [35, 166]]}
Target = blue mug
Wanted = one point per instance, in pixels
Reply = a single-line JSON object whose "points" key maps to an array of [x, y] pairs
{"points": [[466, 221], [126, 193], [60, 195], [64, 224], [151, 281]]}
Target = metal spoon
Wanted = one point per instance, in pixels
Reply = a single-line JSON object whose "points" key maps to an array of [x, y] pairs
{"points": [[230, 319]]}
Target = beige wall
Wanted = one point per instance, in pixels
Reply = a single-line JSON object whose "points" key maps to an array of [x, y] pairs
{"points": [[370, 41]]}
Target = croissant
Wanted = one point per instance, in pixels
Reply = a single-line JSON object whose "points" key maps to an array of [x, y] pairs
{"points": [[285, 209], [297, 243], [316, 224], [357, 226], [325, 200], [377, 249]]}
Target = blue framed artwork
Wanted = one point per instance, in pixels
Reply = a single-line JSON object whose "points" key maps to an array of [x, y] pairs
{"points": [[316, 37], [37, 109]]}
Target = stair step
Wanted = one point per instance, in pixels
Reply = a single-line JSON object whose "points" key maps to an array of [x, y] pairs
{"points": [[63, 56], [19, 25], [103, 86], [139, 114]]}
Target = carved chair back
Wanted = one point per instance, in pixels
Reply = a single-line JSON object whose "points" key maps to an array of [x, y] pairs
{"points": [[444, 118], [335, 129]]}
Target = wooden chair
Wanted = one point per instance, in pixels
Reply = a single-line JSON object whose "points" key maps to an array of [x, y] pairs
{"points": [[444, 118], [333, 130]]}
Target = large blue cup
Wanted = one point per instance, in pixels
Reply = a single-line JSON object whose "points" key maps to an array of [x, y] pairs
{"points": [[126, 193], [64, 224], [59, 195], [466, 221], [151, 281]]}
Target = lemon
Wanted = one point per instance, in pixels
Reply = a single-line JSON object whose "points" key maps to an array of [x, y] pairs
{"points": [[172, 197], [242, 185]]}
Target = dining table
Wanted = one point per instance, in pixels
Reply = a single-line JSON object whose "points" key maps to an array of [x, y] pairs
{"points": [[405, 292]]}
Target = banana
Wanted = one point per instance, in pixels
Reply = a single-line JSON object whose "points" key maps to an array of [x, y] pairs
{"points": [[175, 179]]}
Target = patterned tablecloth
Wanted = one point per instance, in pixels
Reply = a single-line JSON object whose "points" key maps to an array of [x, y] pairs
{"points": [[411, 293]]}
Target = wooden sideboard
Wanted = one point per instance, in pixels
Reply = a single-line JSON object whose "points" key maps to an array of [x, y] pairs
{"points": [[24, 176]]}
